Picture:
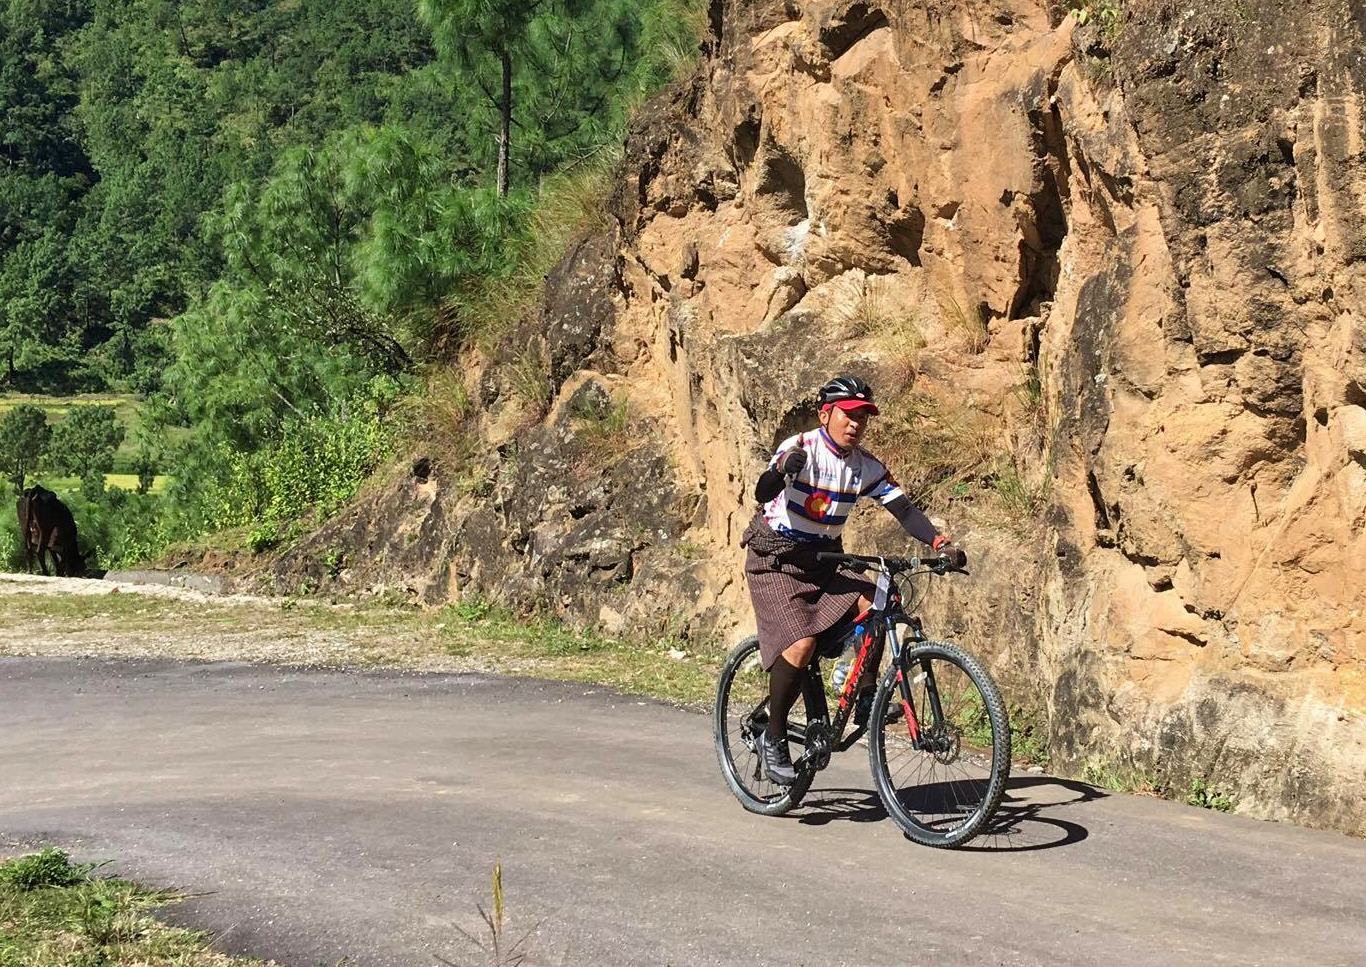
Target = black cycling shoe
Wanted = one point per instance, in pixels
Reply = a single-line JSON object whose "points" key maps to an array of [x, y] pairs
{"points": [[777, 762]]}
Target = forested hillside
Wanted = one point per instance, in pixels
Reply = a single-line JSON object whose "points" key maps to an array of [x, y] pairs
{"points": [[265, 217]]}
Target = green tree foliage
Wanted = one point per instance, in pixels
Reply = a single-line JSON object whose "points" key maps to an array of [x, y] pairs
{"points": [[83, 445], [24, 437], [44, 174], [550, 80], [264, 216], [127, 127]]}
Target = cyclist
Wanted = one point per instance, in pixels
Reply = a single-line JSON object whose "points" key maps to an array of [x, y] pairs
{"points": [[805, 497]]}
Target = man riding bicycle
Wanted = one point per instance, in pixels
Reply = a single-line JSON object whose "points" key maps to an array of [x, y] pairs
{"points": [[806, 494]]}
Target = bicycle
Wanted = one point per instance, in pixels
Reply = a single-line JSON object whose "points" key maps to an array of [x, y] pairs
{"points": [[935, 708]]}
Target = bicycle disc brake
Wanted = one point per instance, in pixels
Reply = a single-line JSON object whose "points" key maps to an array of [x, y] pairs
{"points": [[945, 744]]}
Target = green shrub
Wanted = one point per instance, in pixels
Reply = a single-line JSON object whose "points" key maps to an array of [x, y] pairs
{"points": [[1205, 796], [315, 467], [48, 867]]}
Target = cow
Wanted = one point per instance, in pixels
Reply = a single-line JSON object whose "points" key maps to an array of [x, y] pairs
{"points": [[46, 527]]}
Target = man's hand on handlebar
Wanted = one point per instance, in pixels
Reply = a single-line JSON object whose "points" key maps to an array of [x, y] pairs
{"points": [[944, 545], [958, 560]]}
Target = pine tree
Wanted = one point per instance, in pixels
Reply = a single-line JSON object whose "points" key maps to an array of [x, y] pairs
{"points": [[24, 436], [548, 67]]}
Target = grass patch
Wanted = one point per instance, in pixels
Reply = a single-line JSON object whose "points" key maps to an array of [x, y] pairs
{"points": [[936, 445], [663, 667], [119, 606], [970, 324], [1020, 502], [1202, 794], [601, 425], [438, 420], [70, 486], [529, 379], [476, 633], [571, 205], [1117, 778], [54, 913], [867, 308]]}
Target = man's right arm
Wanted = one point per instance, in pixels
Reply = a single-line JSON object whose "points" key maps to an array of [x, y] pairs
{"points": [[773, 481], [770, 485]]}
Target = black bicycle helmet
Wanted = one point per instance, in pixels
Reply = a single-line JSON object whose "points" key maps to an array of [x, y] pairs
{"points": [[846, 388]]}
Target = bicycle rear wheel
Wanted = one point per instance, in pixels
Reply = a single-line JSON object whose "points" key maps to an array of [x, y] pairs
{"points": [[943, 786], [741, 712]]}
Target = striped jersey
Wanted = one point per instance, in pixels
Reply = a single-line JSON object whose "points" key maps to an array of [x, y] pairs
{"points": [[816, 502]]}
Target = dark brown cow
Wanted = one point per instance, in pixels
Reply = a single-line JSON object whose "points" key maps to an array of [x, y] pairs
{"points": [[46, 527]]}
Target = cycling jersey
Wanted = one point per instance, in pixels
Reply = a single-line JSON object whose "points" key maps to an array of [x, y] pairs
{"points": [[816, 502]]}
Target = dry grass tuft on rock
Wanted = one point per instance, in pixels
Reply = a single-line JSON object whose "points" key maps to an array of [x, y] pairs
{"points": [[571, 205], [934, 445]]}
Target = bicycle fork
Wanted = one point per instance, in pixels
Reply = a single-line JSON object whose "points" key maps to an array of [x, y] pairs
{"points": [[904, 682]]}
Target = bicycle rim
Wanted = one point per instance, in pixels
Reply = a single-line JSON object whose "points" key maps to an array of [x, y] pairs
{"points": [[741, 709], [944, 788]]}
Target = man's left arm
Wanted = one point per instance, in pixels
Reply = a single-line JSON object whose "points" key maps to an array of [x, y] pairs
{"points": [[912, 519]]}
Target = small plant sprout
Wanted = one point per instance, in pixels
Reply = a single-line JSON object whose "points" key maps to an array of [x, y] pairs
{"points": [[500, 953]]}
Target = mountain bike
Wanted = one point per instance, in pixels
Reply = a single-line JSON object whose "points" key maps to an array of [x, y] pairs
{"points": [[937, 731]]}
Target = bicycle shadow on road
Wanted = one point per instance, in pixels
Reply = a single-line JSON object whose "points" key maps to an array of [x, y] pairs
{"points": [[1024, 822]]}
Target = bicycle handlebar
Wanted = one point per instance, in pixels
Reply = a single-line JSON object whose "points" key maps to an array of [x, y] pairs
{"points": [[862, 562]]}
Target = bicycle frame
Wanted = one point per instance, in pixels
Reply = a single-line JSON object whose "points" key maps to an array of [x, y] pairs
{"points": [[879, 623]]}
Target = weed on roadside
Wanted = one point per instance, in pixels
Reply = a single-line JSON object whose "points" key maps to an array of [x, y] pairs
{"points": [[499, 951], [1028, 736], [1206, 796], [47, 867], [1118, 778], [53, 913]]}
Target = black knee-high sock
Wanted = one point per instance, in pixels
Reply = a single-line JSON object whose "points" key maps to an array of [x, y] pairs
{"points": [[784, 685]]}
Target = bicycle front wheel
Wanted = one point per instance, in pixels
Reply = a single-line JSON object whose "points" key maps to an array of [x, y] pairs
{"points": [[940, 764], [741, 713]]}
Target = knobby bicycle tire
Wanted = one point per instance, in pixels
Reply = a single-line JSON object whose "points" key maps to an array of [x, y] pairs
{"points": [[951, 795], [760, 796]]}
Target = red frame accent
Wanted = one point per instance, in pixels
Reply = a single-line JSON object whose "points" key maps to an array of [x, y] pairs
{"points": [[856, 672], [912, 724]]}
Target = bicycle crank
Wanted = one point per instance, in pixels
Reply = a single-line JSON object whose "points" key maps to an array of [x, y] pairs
{"points": [[818, 748]]}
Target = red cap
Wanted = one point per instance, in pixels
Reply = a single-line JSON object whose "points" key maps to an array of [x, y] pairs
{"points": [[849, 405]]}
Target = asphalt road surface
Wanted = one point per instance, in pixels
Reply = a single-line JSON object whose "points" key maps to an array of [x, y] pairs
{"points": [[329, 816]]}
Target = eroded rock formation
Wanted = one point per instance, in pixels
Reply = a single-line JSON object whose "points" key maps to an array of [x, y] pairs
{"points": [[1131, 262]]}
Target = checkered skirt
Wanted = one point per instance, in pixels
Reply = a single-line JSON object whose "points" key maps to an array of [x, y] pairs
{"points": [[794, 596]]}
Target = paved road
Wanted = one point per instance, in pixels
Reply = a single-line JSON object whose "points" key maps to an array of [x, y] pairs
{"points": [[329, 815]]}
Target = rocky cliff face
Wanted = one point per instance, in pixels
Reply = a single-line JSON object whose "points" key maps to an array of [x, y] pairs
{"points": [[1110, 281]]}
